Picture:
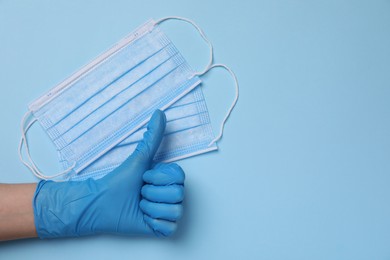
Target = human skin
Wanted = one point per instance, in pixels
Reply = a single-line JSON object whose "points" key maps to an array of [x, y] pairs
{"points": [[16, 211]]}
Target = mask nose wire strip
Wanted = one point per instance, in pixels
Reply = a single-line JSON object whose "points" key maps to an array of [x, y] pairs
{"points": [[216, 139], [32, 167], [202, 34]]}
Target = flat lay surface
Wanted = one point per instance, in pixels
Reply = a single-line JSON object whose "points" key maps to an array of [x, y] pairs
{"points": [[302, 171]]}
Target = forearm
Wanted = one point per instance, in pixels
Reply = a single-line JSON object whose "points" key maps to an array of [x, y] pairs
{"points": [[16, 211]]}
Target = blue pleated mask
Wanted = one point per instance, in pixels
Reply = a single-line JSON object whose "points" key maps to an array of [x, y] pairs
{"points": [[96, 117]]}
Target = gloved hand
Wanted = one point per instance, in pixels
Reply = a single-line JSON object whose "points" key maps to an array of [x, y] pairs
{"points": [[137, 198]]}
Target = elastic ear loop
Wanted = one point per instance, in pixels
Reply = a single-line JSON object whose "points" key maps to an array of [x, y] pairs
{"points": [[210, 66], [32, 166], [216, 139], [202, 34]]}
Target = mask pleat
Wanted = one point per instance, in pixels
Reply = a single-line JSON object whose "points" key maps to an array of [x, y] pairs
{"points": [[116, 90], [188, 131], [125, 101], [174, 124], [107, 71], [109, 132]]}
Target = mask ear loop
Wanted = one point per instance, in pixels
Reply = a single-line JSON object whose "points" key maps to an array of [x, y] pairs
{"points": [[31, 165], [202, 34], [216, 139], [210, 66]]}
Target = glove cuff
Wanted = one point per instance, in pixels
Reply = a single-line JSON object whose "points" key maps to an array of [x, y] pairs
{"points": [[59, 206]]}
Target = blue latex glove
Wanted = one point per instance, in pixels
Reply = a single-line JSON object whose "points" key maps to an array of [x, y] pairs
{"points": [[137, 198]]}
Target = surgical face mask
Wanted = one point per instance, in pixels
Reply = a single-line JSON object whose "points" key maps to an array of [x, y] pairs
{"points": [[95, 117]]}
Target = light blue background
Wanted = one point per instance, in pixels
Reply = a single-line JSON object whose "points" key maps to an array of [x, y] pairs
{"points": [[303, 170]]}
